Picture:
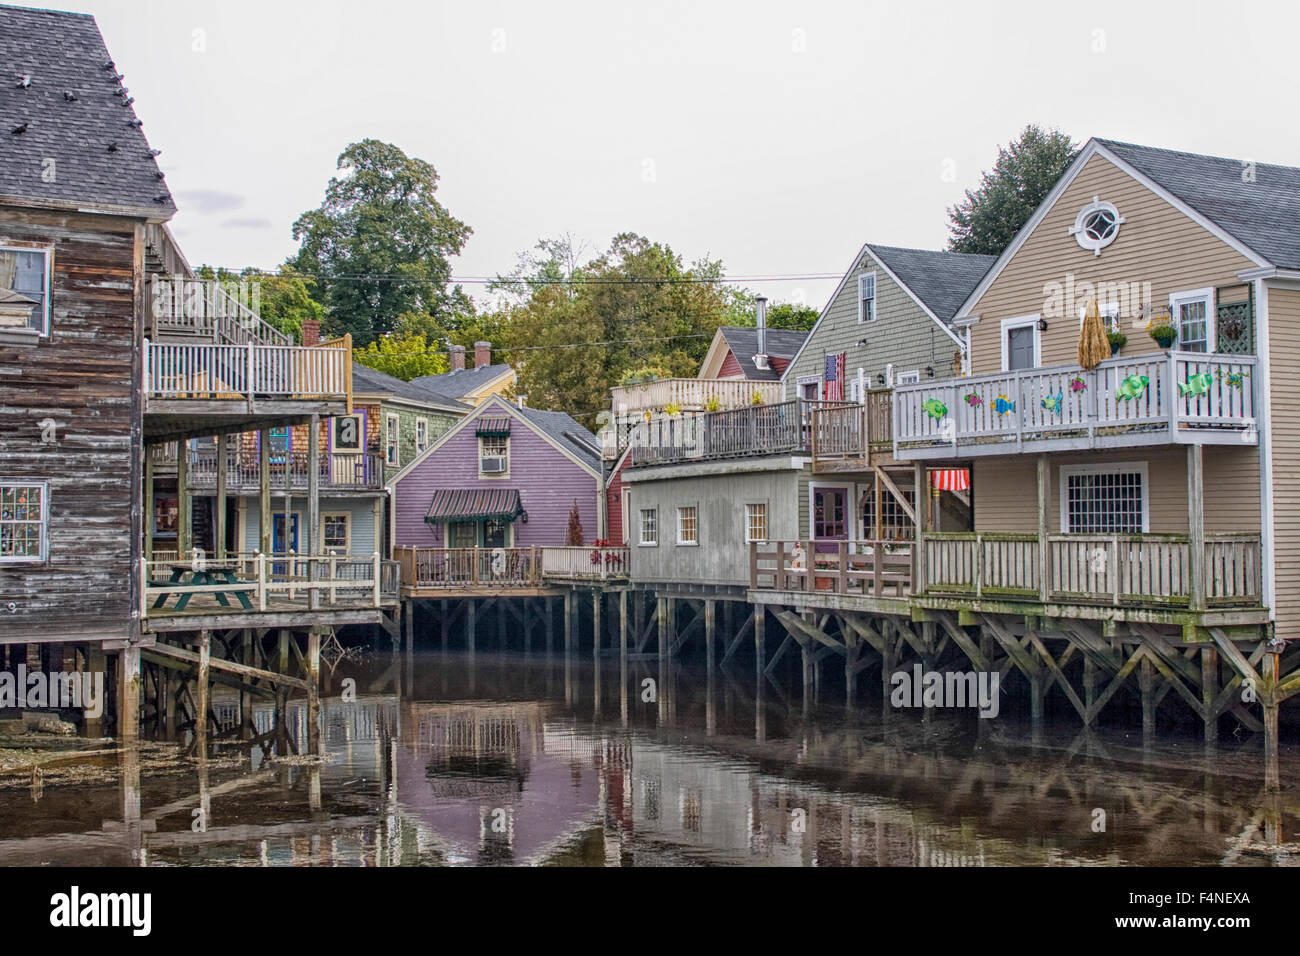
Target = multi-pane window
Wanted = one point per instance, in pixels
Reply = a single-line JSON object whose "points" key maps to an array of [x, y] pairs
{"points": [[334, 533], [867, 297], [24, 290], [23, 520], [688, 530], [828, 513], [392, 432], [895, 525], [649, 526], [1192, 317], [1108, 502], [421, 434], [494, 455], [756, 522], [462, 534]]}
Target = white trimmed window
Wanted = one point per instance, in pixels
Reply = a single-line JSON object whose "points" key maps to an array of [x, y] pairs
{"points": [[688, 528], [1104, 499], [421, 434], [24, 520], [1021, 344], [649, 526], [756, 521], [1193, 315], [25, 290], [909, 378], [336, 532], [392, 451], [494, 456], [1096, 226], [867, 297]]}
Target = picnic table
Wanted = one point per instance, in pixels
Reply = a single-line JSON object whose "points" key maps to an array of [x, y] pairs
{"points": [[208, 573]]}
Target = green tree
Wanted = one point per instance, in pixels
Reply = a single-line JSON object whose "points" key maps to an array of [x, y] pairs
{"points": [[379, 243], [989, 217], [282, 301], [404, 355]]}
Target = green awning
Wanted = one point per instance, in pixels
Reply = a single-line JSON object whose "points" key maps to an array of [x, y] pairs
{"points": [[474, 504], [499, 427]]}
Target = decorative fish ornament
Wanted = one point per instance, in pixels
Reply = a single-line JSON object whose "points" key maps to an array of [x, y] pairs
{"points": [[1196, 385], [1077, 384], [974, 398], [1236, 379], [1131, 387], [1002, 405], [934, 408], [1053, 403]]}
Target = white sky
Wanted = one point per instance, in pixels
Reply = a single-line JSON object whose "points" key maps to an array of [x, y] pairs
{"points": [[782, 135]]}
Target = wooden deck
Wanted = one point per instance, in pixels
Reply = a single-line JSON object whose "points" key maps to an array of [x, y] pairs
{"points": [[507, 572]]}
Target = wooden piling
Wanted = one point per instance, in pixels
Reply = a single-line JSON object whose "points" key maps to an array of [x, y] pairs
{"points": [[313, 692], [128, 712], [471, 615], [264, 492], [622, 654], [201, 703]]}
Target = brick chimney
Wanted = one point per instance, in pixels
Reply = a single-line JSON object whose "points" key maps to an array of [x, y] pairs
{"points": [[311, 331], [482, 354], [458, 358]]}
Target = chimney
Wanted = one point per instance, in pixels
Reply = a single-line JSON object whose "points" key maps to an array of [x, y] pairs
{"points": [[760, 320], [458, 358], [311, 331], [482, 354]]}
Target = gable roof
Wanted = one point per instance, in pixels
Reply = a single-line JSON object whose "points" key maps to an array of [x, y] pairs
{"points": [[367, 381], [742, 340], [941, 280], [75, 116], [1263, 213], [566, 432], [462, 382]]}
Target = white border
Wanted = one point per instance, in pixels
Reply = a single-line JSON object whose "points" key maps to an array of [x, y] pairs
{"points": [[1020, 322], [47, 251], [45, 521], [875, 313], [1107, 468], [1205, 294]]}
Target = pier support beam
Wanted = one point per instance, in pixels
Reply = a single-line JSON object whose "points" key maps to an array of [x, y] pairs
{"points": [[710, 626], [313, 692], [264, 491], [185, 520], [471, 625], [96, 663], [1209, 691], [201, 702], [622, 654], [219, 545], [128, 710]]}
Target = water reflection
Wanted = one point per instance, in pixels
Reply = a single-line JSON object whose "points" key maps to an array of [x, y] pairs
{"points": [[558, 767]]}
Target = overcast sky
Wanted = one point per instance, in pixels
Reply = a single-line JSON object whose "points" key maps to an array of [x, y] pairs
{"points": [[776, 136]]}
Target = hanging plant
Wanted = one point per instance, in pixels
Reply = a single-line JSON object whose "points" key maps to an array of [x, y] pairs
{"points": [[1077, 385], [974, 398], [1162, 331]]}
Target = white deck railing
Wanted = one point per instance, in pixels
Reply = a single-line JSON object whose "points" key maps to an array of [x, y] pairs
{"points": [[1149, 399], [691, 394], [209, 371]]}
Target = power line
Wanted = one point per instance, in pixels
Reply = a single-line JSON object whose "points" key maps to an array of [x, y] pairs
{"points": [[507, 282], [565, 345]]}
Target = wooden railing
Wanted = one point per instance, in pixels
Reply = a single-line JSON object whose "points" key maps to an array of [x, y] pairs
{"points": [[470, 568], [208, 371], [850, 432], [1161, 397], [205, 307], [864, 568], [268, 582], [586, 561], [755, 430], [691, 394], [288, 472]]}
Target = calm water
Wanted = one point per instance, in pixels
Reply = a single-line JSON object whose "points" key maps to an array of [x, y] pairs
{"points": [[508, 762]]}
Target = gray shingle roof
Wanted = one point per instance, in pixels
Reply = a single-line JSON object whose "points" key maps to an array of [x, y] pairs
{"points": [[942, 280], [456, 384], [65, 56], [743, 342], [566, 432], [1263, 214], [368, 380]]}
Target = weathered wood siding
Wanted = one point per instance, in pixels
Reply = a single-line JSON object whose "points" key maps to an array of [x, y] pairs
{"points": [[1284, 412], [1155, 244], [82, 378], [549, 482], [902, 334]]}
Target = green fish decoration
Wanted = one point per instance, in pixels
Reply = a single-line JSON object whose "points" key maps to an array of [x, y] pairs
{"points": [[1196, 385], [934, 408], [1002, 405], [1053, 403], [1131, 387]]}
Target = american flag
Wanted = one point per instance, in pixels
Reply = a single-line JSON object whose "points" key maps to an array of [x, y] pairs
{"points": [[835, 377]]}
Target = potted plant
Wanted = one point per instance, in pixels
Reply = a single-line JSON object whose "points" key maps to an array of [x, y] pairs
{"points": [[672, 408], [1162, 331], [1117, 341], [713, 404], [756, 398]]}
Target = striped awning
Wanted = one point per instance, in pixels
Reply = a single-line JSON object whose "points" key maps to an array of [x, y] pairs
{"points": [[474, 504], [493, 426], [950, 479]]}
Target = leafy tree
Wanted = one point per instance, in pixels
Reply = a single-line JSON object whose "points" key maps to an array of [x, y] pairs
{"points": [[989, 217], [404, 355], [379, 243], [282, 301]]}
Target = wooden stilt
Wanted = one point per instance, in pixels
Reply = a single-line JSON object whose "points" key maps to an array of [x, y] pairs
{"points": [[1146, 686], [444, 623], [1271, 670], [408, 625], [313, 692], [265, 540], [550, 625], [201, 704], [245, 697], [219, 545], [1209, 691], [760, 616], [471, 615], [185, 519], [96, 664], [128, 713], [622, 654], [710, 626]]}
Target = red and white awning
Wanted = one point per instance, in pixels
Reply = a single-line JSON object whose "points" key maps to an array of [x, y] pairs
{"points": [[950, 479]]}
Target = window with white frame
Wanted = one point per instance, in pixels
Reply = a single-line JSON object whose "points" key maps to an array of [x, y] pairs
{"points": [[24, 290], [688, 530], [421, 434], [1020, 343], [649, 526], [336, 532], [1193, 315], [392, 452], [756, 521], [24, 520], [1097, 225], [1104, 499], [494, 456], [895, 525], [867, 297], [909, 378]]}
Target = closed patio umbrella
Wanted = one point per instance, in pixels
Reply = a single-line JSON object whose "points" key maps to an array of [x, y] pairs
{"points": [[1094, 347]]}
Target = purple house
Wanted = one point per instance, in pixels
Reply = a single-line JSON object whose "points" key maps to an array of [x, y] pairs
{"points": [[503, 477]]}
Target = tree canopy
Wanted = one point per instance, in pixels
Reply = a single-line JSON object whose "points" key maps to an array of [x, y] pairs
{"points": [[989, 217], [379, 243]]}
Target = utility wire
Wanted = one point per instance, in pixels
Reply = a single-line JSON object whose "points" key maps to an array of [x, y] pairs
{"points": [[235, 275]]}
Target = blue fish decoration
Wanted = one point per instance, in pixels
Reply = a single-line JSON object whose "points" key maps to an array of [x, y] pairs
{"points": [[1053, 403], [1002, 405]]}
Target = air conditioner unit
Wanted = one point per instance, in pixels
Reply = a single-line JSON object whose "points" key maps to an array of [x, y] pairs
{"points": [[492, 466]]}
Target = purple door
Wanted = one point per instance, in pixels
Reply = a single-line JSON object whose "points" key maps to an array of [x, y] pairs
{"points": [[830, 518]]}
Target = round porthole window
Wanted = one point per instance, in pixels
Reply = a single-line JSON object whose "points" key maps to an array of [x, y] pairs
{"points": [[1097, 225]]}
